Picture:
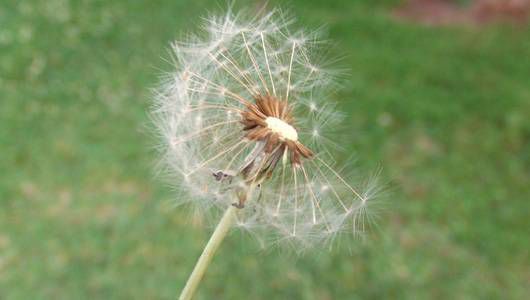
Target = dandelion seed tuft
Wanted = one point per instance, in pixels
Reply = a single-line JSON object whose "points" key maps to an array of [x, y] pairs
{"points": [[244, 117]]}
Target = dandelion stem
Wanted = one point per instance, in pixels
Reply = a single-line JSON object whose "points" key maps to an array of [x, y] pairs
{"points": [[209, 251]]}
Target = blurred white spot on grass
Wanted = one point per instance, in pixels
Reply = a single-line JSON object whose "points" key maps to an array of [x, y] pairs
{"points": [[36, 67], [25, 33], [57, 10], [385, 119]]}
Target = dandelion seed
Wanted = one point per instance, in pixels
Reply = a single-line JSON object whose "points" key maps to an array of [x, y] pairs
{"points": [[243, 116], [248, 99]]}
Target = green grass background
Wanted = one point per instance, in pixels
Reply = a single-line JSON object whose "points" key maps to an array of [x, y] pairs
{"points": [[444, 111]]}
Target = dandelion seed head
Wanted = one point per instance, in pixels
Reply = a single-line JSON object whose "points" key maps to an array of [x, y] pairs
{"points": [[244, 116]]}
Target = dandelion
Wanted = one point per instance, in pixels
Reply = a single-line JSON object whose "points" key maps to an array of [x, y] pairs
{"points": [[244, 119]]}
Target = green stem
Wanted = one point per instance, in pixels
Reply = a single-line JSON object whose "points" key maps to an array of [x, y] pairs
{"points": [[213, 244]]}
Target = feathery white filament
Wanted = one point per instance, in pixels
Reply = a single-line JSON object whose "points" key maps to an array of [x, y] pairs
{"points": [[284, 130]]}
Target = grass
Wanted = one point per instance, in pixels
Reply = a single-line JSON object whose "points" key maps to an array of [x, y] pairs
{"points": [[443, 110]]}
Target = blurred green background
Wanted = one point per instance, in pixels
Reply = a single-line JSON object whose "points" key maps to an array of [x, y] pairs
{"points": [[444, 110]]}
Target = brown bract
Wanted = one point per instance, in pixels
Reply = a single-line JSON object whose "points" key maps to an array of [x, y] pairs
{"points": [[256, 127]]}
